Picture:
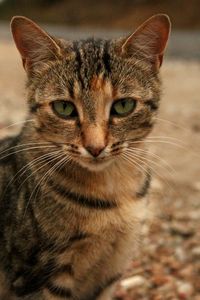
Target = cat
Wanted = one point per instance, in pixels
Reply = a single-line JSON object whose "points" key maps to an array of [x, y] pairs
{"points": [[74, 183]]}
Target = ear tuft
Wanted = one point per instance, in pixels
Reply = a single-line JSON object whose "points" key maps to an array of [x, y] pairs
{"points": [[33, 43], [149, 39]]}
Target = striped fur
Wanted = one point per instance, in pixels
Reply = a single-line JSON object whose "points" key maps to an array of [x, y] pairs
{"points": [[69, 221]]}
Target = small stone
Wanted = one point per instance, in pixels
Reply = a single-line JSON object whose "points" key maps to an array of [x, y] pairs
{"points": [[159, 280], [187, 272], [132, 282], [167, 289], [196, 252], [181, 216], [184, 289], [195, 214], [182, 229], [120, 293], [180, 254]]}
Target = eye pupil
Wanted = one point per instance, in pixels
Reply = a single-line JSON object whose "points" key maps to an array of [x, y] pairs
{"points": [[123, 107], [123, 103], [64, 109]]}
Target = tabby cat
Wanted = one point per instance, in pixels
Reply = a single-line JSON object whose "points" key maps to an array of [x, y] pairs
{"points": [[73, 183]]}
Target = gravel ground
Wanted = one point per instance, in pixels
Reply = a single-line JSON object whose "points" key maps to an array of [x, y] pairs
{"points": [[167, 265]]}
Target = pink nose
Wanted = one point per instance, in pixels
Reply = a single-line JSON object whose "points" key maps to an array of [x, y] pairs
{"points": [[94, 151]]}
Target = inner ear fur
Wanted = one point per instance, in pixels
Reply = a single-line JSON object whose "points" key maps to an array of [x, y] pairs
{"points": [[149, 39], [33, 43]]}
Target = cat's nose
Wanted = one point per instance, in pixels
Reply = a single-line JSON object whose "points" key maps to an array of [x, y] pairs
{"points": [[94, 151]]}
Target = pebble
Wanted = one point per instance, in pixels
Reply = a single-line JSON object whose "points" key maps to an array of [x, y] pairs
{"points": [[180, 254], [159, 280], [196, 252], [194, 215], [187, 215], [187, 272], [133, 282], [184, 289], [182, 229]]}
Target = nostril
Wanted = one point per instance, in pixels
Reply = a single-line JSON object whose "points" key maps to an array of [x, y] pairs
{"points": [[95, 151]]}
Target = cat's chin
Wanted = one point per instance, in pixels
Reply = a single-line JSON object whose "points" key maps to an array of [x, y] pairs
{"points": [[95, 166]]}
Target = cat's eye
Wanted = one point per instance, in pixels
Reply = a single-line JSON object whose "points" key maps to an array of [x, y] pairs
{"points": [[123, 107], [64, 109]]}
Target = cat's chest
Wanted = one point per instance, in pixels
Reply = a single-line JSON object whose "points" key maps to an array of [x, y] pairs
{"points": [[79, 238], [110, 213], [107, 248], [112, 206]]}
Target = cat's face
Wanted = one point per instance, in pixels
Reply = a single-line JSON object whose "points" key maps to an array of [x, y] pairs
{"points": [[93, 98]]}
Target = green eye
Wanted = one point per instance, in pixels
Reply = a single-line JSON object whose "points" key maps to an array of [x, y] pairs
{"points": [[64, 109], [123, 107]]}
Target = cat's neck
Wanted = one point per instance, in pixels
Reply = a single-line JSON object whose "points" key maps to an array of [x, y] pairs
{"points": [[117, 179]]}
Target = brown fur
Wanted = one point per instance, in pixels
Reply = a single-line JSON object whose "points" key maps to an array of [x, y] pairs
{"points": [[72, 216]]}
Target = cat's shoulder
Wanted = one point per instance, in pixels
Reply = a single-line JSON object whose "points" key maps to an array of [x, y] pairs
{"points": [[7, 147], [6, 142]]}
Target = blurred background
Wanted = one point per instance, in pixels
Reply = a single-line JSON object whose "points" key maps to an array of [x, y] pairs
{"points": [[167, 265], [102, 17], [107, 14]]}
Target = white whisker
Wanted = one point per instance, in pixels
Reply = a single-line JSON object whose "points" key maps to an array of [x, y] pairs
{"points": [[28, 144], [26, 149], [17, 123], [160, 159], [174, 124], [50, 172], [135, 164], [42, 159], [25, 168], [145, 159], [53, 159], [139, 160]]}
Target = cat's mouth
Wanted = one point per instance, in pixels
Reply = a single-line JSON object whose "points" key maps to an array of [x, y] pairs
{"points": [[92, 162], [96, 163]]}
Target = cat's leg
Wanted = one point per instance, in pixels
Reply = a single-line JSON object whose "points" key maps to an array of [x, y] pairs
{"points": [[5, 294], [83, 275], [107, 293], [49, 296]]}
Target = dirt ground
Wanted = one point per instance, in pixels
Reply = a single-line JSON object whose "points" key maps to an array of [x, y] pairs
{"points": [[168, 263]]}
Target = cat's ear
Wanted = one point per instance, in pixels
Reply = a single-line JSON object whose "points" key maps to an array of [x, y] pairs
{"points": [[150, 39], [33, 43]]}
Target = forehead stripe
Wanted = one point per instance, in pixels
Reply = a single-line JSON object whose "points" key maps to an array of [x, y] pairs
{"points": [[106, 59], [70, 86], [79, 63]]}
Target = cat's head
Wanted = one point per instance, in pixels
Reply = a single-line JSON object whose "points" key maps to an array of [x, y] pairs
{"points": [[93, 98]]}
